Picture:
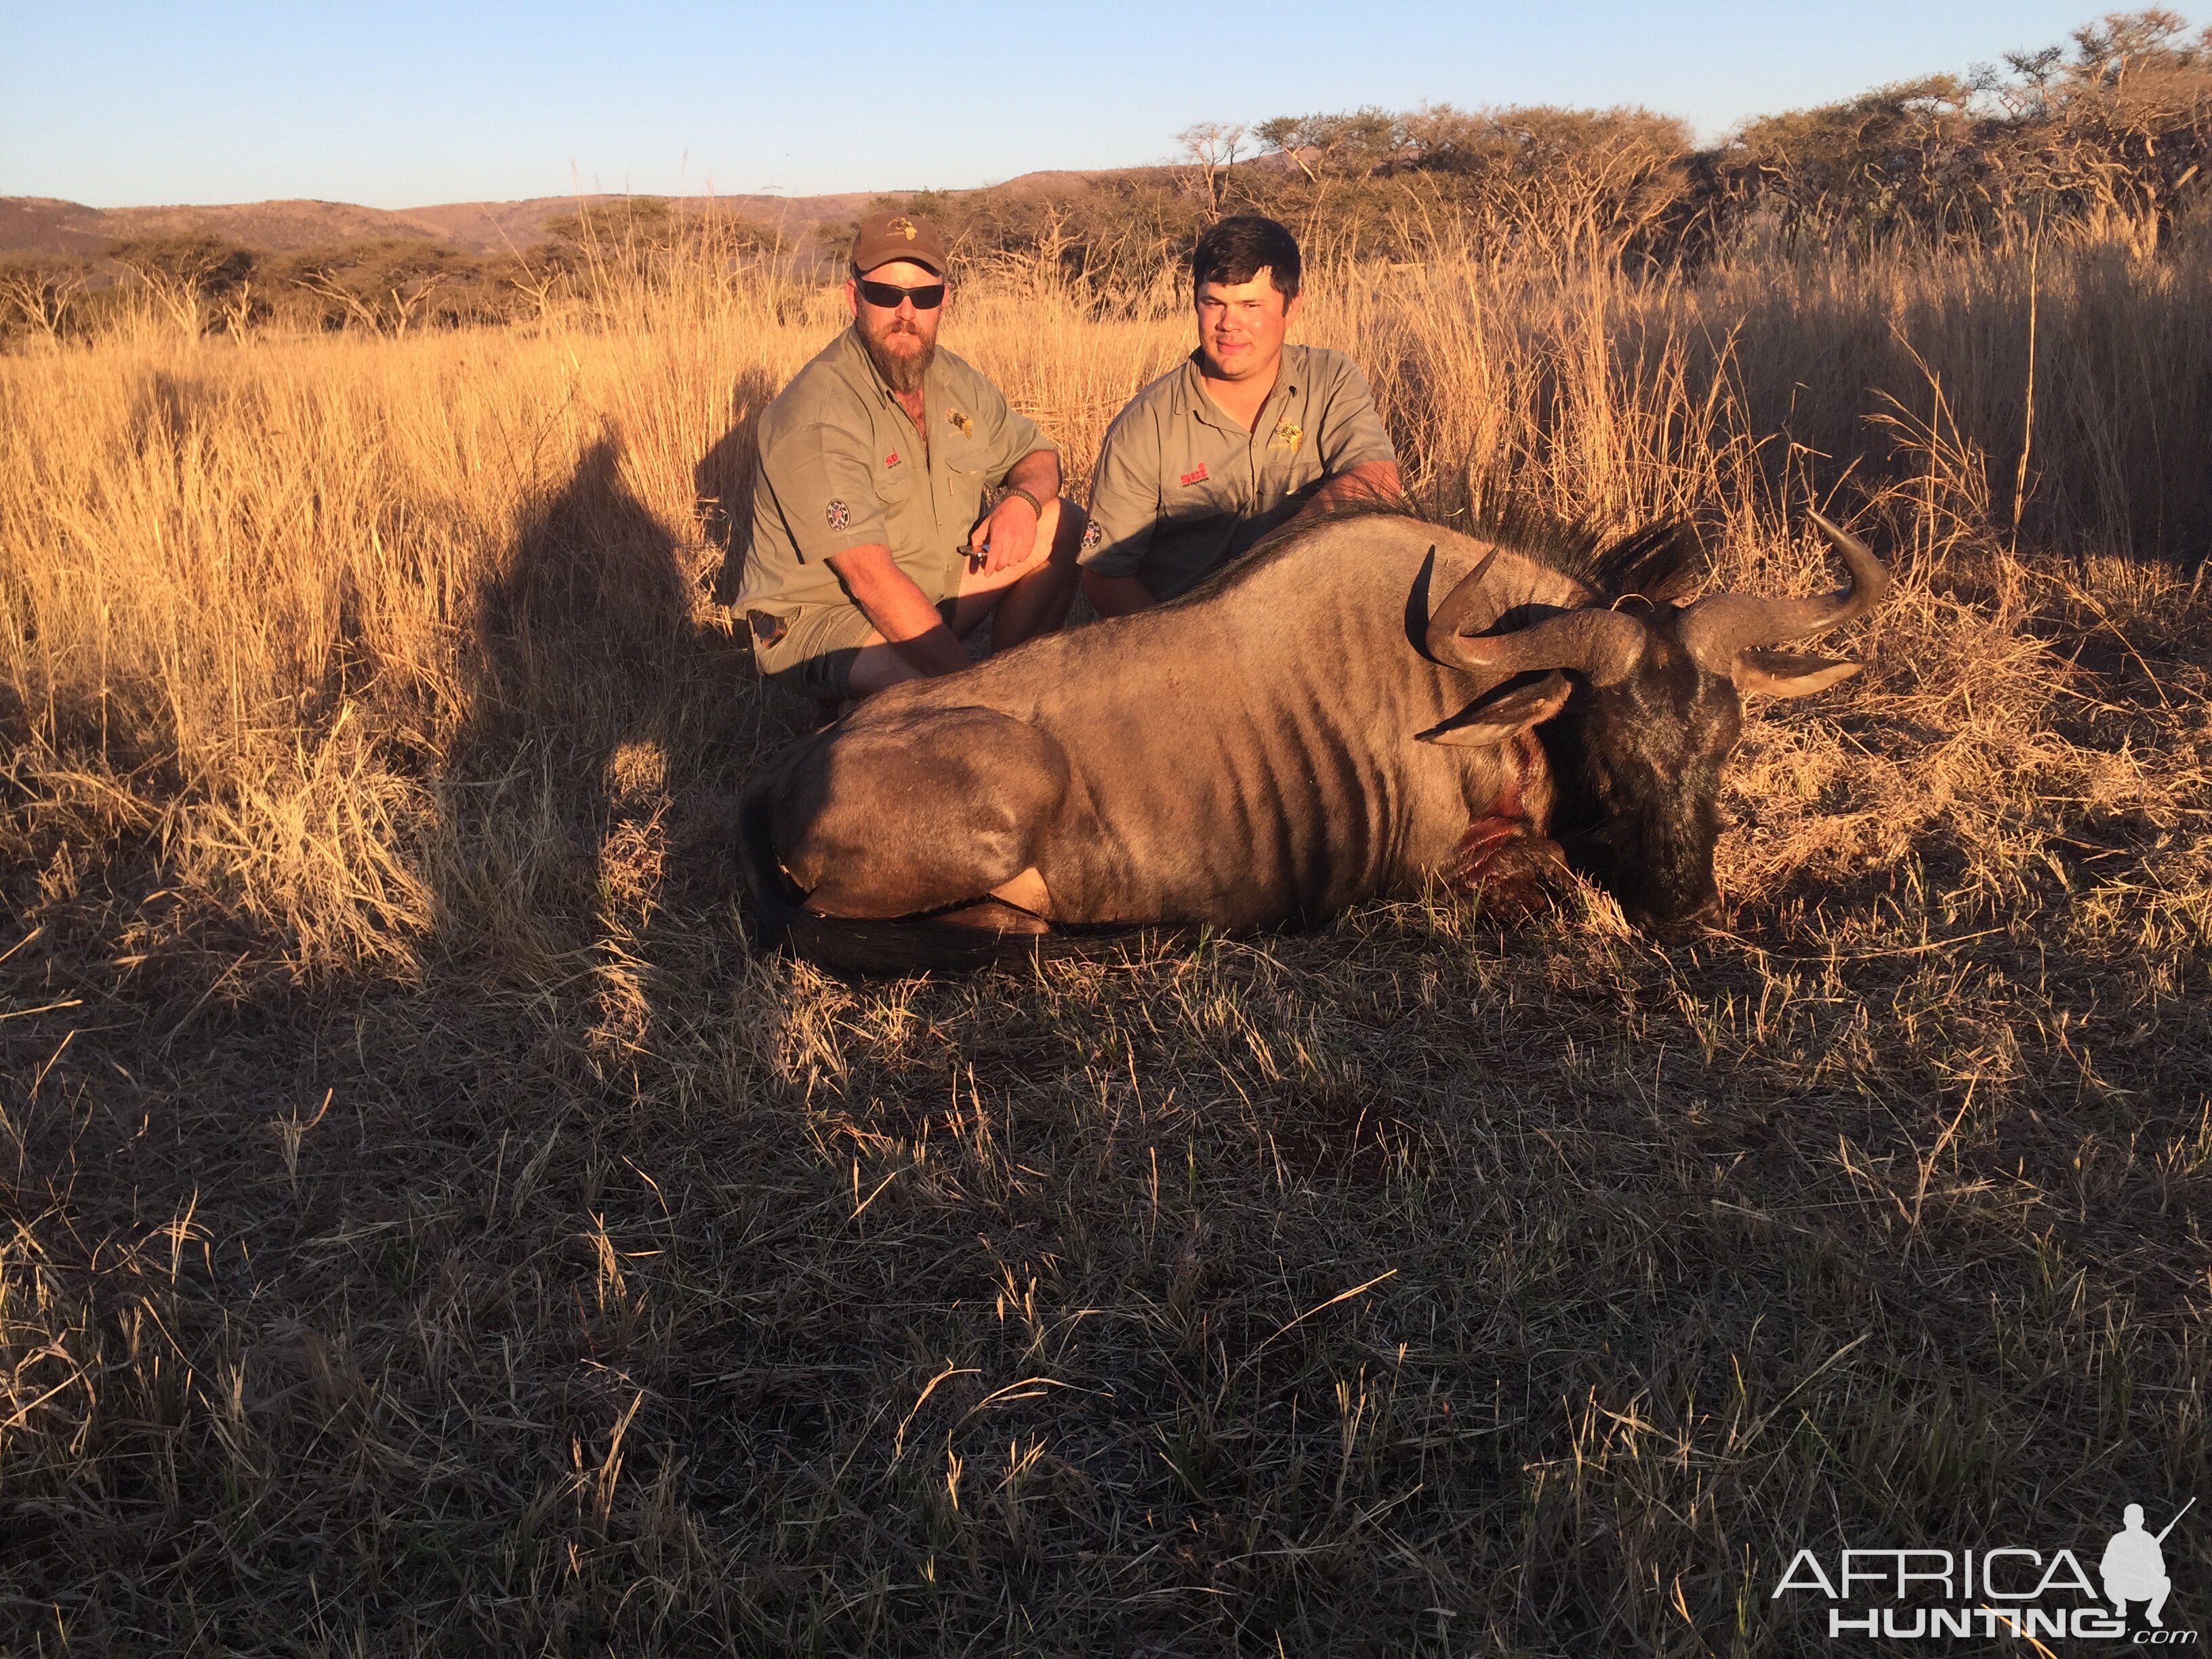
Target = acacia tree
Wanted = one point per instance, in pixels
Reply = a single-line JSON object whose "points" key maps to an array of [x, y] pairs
{"points": [[40, 291], [385, 286], [1576, 182], [2128, 128], [1210, 148], [190, 277], [2105, 140], [1351, 144]]}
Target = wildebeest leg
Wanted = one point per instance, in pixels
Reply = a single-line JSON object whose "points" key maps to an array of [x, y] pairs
{"points": [[907, 814]]}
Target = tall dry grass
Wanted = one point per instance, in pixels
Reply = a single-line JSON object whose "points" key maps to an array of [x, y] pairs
{"points": [[432, 1226]]}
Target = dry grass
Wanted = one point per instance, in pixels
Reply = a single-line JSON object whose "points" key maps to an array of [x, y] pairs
{"points": [[431, 1228]]}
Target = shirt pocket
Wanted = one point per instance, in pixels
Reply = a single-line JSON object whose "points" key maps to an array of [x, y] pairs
{"points": [[1185, 499], [964, 487], [895, 480], [904, 492], [1285, 469]]}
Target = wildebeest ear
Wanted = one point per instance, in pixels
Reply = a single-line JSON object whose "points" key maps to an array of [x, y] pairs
{"points": [[1788, 673], [1504, 714]]}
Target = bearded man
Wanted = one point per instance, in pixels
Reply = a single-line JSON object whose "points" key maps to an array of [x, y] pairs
{"points": [[900, 501]]}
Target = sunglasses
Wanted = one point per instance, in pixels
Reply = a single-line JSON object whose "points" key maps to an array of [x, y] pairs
{"points": [[887, 296]]}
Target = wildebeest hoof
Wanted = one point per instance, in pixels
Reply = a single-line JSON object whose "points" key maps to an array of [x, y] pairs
{"points": [[995, 916]]}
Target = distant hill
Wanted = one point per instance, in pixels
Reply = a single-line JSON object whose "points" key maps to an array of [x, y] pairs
{"points": [[36, 224], [40, 224]]}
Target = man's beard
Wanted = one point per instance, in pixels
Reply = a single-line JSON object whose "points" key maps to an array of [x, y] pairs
{"points": [[902, 371]]}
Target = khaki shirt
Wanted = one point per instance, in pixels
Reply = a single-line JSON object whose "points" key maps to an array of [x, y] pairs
{"points": [[841, 466], [1180, 489]]}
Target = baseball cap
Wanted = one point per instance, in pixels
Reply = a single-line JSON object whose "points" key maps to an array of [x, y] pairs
{"points": [[892, 234]]}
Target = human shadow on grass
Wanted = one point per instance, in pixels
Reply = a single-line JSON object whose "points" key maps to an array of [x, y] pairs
{"points": [[723, 482], [535, 1245], [617, 713], [319, 1146]]}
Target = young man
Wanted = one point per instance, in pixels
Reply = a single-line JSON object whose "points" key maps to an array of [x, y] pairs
{"points": [[871, 549], [1247, 433]]}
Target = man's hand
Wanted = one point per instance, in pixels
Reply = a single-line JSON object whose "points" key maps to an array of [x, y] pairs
{"points": [[1010, 533], [1005, 539], [1371, 481]]}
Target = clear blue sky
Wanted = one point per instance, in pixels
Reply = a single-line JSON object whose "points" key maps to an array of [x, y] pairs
{"points": [[127, 103]]}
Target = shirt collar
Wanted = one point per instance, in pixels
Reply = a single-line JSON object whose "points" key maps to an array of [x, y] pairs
{"points": [[1192, 388]]}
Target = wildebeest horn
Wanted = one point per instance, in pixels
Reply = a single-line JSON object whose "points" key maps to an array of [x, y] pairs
{"points": [[1603, 646], [1721, 631], [1458, 609], [1600, 644]]}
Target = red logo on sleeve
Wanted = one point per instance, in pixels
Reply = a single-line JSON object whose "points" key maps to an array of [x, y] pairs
{"points": [[1190, 479]]}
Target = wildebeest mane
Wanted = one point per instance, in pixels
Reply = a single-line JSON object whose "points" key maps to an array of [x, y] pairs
{"points": [[1657, 562]]}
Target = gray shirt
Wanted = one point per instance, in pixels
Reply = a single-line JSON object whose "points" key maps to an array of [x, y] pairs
{"points": [[842, 465], [1180, 489]]}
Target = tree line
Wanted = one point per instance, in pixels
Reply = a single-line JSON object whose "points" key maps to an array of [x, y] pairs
{"points": [[2103, 137], [206, 284]]}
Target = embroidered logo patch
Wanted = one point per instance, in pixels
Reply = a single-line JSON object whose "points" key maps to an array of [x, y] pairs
{"points": [[838, 514], [1289, 435], [902, 227], [891, 460], [1190, 479], [1091, 536], [961, 423]]}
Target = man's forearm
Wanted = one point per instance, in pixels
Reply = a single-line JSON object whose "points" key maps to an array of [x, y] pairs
{"points": [[934, 650], [1005, 540], [1037, 472], [899, 611]]}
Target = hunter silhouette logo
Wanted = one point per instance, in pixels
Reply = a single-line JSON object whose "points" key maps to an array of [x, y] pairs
{"points": [[2134, 1567], [1932, 1592]]}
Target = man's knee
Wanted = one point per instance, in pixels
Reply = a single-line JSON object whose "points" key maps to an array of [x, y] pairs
{"points": [[1059, 537], [1061, 529]]}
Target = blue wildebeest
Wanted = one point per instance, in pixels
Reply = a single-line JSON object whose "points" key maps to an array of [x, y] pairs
{"points": [[1310, 729]]}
